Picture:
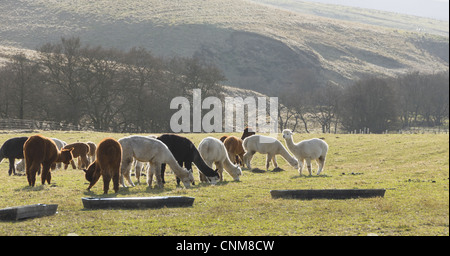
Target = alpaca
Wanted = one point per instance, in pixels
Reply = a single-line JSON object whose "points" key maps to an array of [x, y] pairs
{"points": [[307, 150], [248, 131], [235, 149], [12, 149], [20, 166], [213, 151], [151, 150], [266, 145], [81, 150], [185, 152], [39, 150], [107, 164], [92, 151]]}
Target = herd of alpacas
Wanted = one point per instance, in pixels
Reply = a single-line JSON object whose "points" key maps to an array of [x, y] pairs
{"points": [[113, 159]]}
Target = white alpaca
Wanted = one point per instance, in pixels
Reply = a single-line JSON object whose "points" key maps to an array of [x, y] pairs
{"points": [[212, 151], [151, 150], [266, 145], [307, 150]]}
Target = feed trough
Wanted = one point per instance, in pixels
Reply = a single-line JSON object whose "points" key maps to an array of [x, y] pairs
{"points": [[308, 194], [27, 211], [137, 202]]}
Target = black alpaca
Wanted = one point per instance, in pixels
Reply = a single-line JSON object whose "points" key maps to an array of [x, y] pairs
{"points": [[12, 149], [185, 152]]}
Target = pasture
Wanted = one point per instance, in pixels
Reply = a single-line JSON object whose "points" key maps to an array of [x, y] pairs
{"points": [[414, 169]]}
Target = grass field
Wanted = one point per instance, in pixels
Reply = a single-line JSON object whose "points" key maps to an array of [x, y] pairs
{"points": [[413, 168]]}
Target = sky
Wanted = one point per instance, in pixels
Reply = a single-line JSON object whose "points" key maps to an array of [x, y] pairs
{"points": [[436, 9]]}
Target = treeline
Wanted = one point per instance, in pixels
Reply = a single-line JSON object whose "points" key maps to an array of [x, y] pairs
{"points": [[102, 89], [372, 104], [130, 91]]}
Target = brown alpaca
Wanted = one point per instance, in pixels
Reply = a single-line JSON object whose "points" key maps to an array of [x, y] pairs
{"points": [[80, 150], [106, 164], [223, 138], [39, 150], [235, 149], [248, 131]]}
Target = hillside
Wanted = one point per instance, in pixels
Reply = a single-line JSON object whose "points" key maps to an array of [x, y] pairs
{"points": [[257, 46]]}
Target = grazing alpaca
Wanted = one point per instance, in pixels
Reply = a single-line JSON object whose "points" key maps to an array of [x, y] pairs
{"points": [[12, 149], [20, 166], [266, 145], [185, 152], [39, 150], [213, 151], [107, 164], [235, 149], [151, 150], [307, 150], [248, 131], [80, 150]]}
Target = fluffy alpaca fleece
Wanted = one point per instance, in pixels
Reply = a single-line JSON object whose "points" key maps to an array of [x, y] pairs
{"points": [[213, 151], [307, 150], [20, 166], [266, 145], [107, 164], [80, 150], [151, 150], [12, 149], [39, 150], [186, 153], [235, 149]]}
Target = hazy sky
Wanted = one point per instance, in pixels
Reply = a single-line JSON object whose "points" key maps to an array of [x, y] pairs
{"points": [[436, 9]]}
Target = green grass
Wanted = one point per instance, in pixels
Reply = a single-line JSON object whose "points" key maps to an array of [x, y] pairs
{"points": [[413, 168]]}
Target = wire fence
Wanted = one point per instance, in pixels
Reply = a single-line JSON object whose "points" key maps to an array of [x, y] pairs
{"points": [[24, 125], [31, 125]]}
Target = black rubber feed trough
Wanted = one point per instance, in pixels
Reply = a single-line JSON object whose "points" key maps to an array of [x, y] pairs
{"points": [[137, 202], [309, 194], [27, 211]]}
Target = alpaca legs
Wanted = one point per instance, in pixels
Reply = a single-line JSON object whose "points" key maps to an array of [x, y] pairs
{"points": [[321, 163], [46, 174], [308, 164], [300, 166], [219, 167], [248, 158], [274, 161]]}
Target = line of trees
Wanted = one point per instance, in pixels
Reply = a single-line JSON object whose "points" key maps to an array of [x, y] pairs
{"points": [[103, 89], [371, 104], [130, 91]]}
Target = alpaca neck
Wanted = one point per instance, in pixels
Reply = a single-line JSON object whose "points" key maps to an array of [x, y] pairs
{"points": [[201, 165], [285, 154], [59, 157], [228, 165], [290, 143], [177, 169]]}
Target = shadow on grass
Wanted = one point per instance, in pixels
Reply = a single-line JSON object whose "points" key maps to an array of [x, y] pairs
{"points": [[311, 176]]}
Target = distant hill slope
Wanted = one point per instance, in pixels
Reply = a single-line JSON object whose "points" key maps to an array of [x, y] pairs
{"points": [[365, 16], [257, 46]]}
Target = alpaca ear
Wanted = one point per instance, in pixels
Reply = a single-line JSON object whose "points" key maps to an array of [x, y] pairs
{"points": [[84, 170]]}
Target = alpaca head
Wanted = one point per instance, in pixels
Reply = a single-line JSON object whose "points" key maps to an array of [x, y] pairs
{"points": [[287, 134], [294, 163], [89, 173], [66, 155], [214, 179], [189, 179], [236, 173]]}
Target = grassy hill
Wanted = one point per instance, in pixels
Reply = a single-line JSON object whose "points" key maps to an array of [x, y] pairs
{"points": [[257, 46]]}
